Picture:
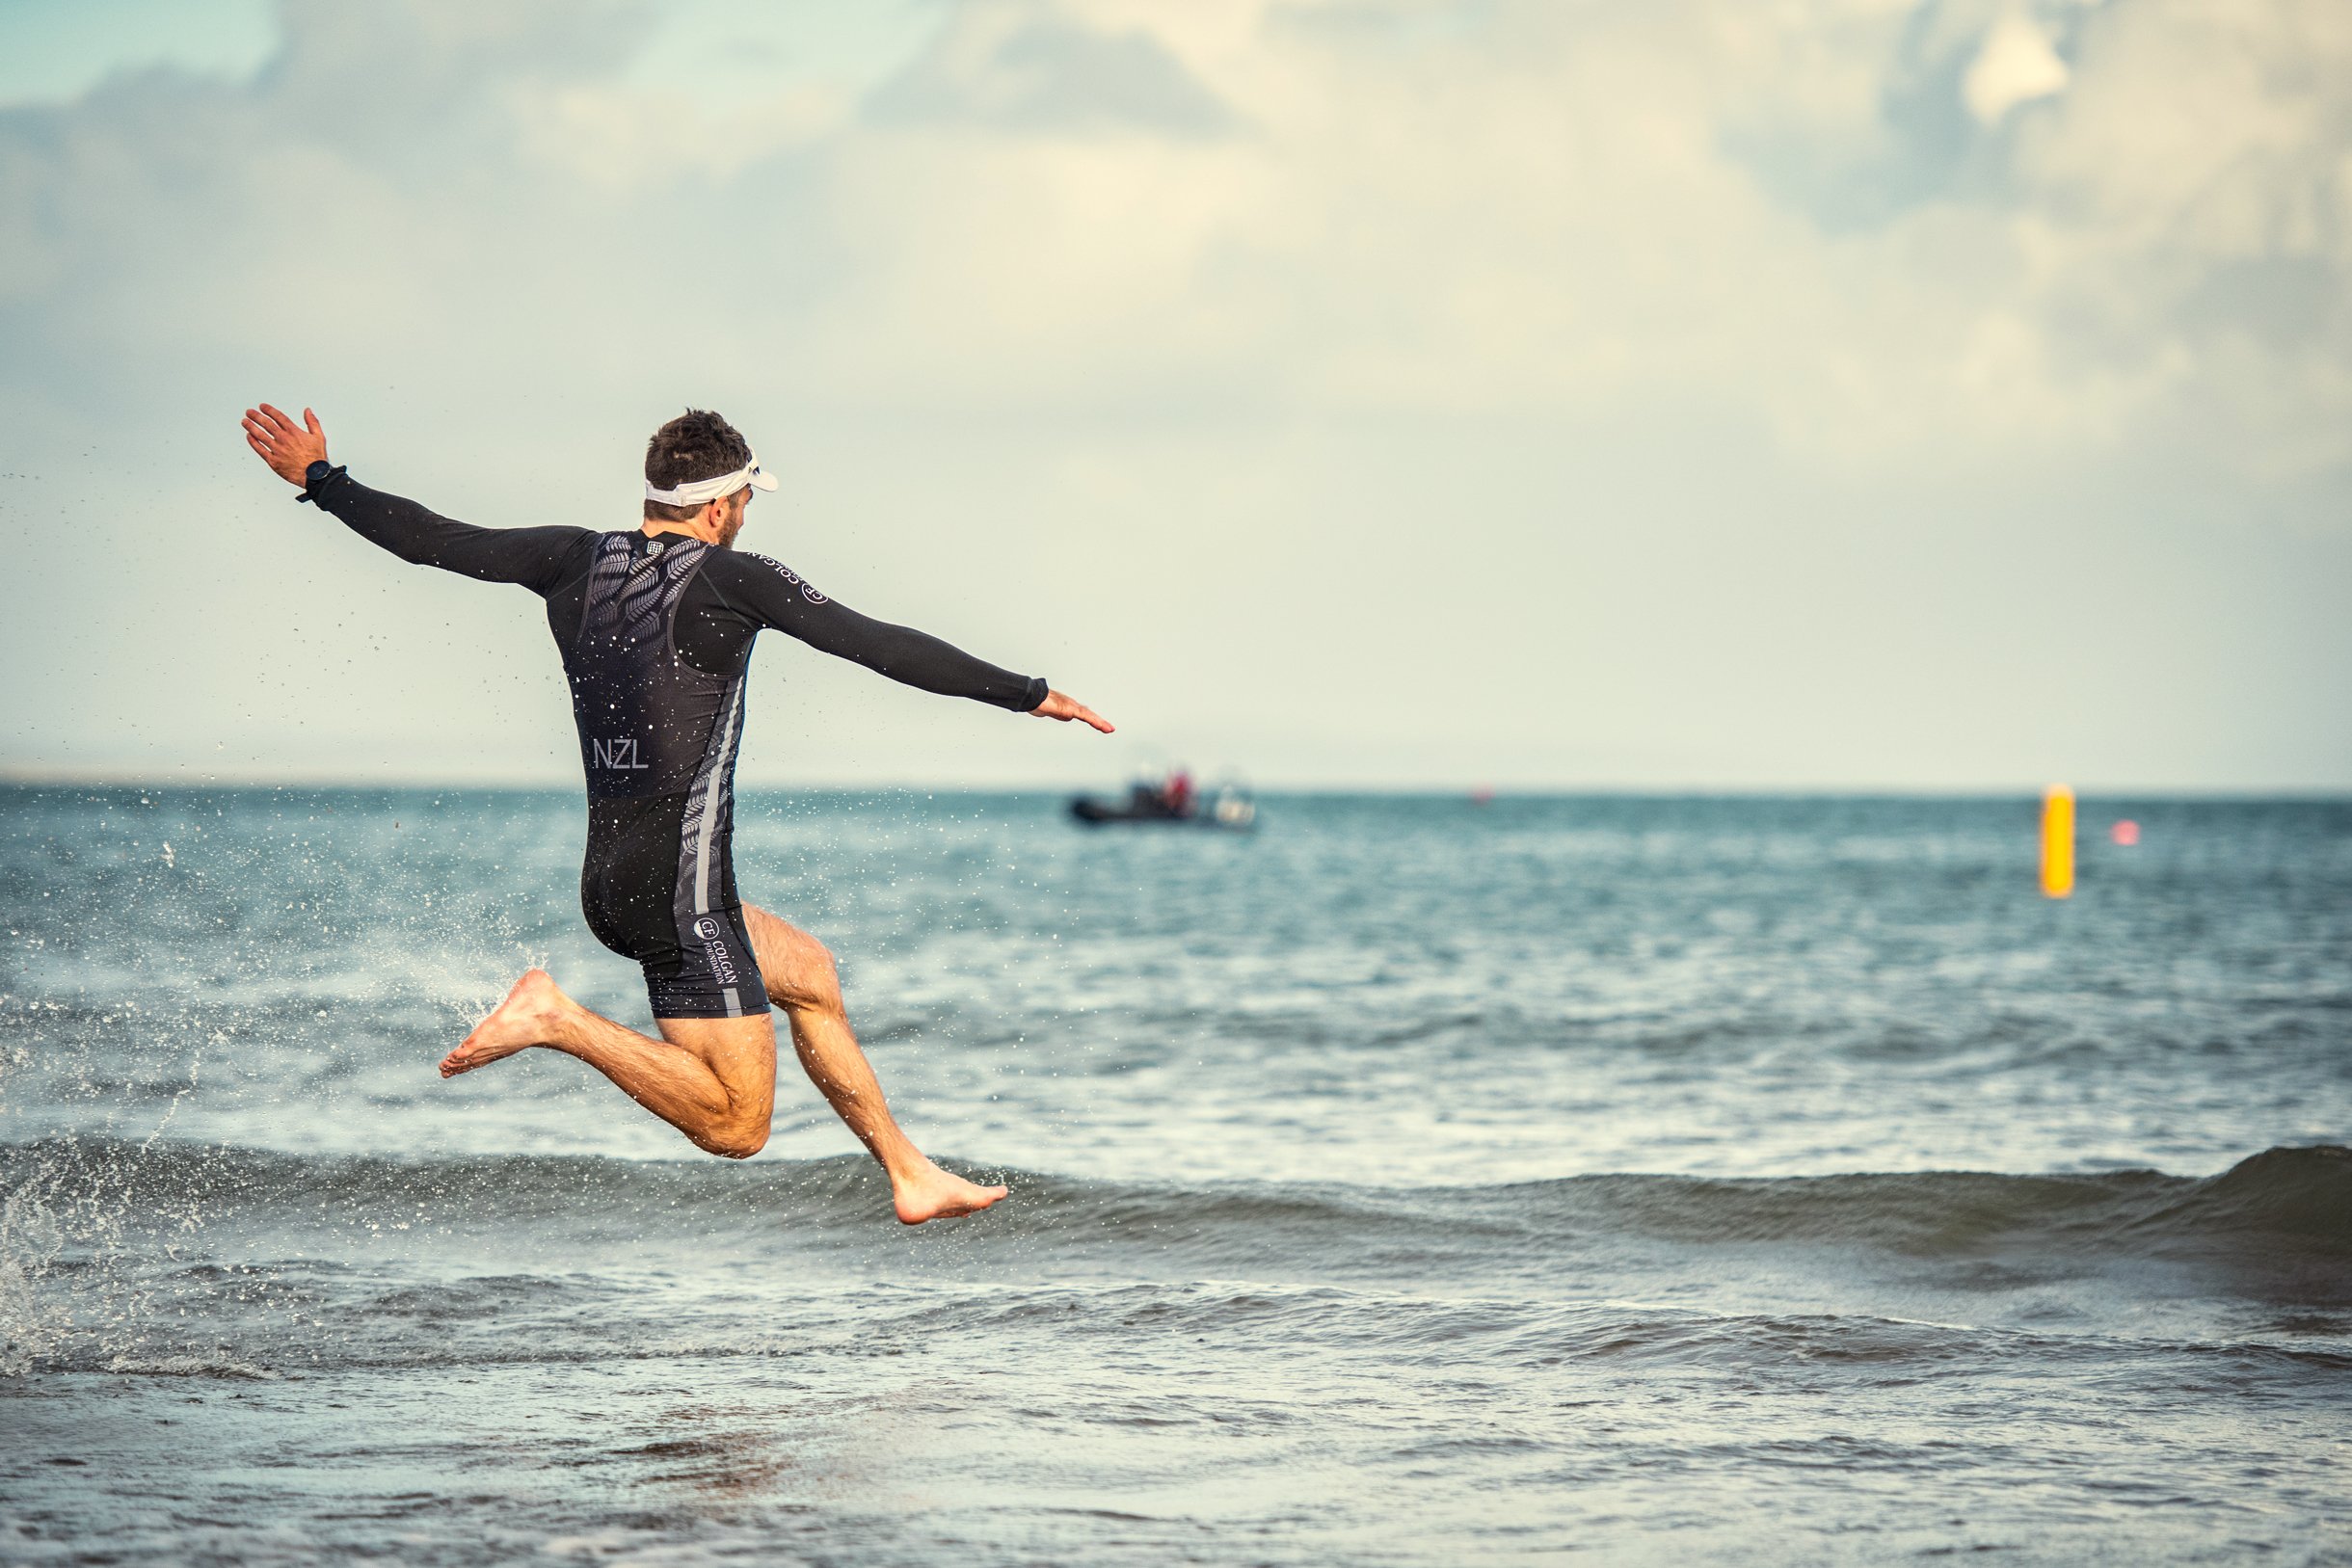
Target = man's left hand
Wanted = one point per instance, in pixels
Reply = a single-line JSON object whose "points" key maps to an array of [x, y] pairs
{"points": [[1065, 707]]}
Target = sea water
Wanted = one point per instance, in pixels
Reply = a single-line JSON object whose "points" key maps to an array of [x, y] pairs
{"points": [[1406, 1183]]}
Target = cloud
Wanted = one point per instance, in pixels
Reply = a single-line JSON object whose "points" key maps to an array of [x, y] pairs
{"points": [[56, 51], [1154, 273], [1063, 204], [2016, 65], [1048, 74]]}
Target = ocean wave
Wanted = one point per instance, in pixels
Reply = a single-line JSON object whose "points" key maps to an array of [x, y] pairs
{"points": [[219, 1364], [566, 1324], [2284, 1204]]}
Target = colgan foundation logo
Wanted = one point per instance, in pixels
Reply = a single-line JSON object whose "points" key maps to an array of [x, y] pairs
{"points": [[722, 963], [808, 590]]}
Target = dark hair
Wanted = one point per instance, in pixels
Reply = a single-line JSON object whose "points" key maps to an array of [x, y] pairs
{"points": [[697, 444]]}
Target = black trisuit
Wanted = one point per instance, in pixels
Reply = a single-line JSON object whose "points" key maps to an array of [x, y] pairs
{"points": [[657, 633]]}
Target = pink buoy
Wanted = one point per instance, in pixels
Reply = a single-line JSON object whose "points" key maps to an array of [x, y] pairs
{"points": [[2125, 833]]}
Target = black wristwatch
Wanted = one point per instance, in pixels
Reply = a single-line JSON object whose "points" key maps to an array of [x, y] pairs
{"points": [[315, 475]]}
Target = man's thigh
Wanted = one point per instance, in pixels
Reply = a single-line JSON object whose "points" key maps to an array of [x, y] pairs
{"points": [[739, 1052], [797, 967]]}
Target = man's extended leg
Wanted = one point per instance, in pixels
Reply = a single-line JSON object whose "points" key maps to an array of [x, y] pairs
{"points": [[712, 1078], [801, 980]]}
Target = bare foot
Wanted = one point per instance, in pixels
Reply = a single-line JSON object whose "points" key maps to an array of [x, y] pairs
{"points": [[525, 1018], [931, 1193]]}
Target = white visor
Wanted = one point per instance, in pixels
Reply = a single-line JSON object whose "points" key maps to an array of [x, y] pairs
{"points": [[704, 491]]}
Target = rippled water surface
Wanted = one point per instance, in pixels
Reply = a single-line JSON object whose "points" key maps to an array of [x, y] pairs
{"points": [[1408, 1183]]}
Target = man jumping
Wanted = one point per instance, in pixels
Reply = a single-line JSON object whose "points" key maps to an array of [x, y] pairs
{"points": [[655, 626]]}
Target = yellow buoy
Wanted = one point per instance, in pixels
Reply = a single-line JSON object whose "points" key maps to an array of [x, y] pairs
{"points": [[2058, 841]]}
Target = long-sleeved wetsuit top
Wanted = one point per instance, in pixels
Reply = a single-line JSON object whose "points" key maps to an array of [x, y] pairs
{"points": [[655, 632]]}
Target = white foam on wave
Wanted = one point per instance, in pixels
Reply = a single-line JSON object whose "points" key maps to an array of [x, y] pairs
{"points": [[218, 1365]]}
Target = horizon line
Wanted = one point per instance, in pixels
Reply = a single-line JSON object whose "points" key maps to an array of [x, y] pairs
{"points": [[20, 779]]}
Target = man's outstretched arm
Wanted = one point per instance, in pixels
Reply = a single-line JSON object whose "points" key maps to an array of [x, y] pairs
{"points": [[298, 455], [773, 595]]}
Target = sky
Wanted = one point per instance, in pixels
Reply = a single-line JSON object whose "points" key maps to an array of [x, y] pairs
{"points": [[1687, 394]]}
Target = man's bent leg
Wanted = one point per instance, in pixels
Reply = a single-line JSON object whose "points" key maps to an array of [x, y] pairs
{"points": [[712, 1078], [801, 980]]}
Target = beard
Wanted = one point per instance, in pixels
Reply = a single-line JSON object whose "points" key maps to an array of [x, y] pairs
{"points": [[732, 526]]}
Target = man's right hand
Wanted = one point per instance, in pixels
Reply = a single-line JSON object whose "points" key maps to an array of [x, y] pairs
{"points": [[1065, 707], [289, 448]]}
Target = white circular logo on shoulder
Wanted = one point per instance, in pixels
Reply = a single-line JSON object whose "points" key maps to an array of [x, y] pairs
{"points": [[808, 590]]}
